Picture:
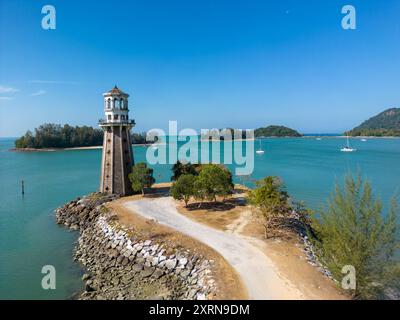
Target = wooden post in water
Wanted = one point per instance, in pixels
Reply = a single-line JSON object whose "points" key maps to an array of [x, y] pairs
{"points": [[22, 187]]}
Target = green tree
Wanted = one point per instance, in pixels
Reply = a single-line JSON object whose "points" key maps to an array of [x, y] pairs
{"points": [[141, 177], [183, 188], [26, 141], [270, 199], [180, 168], [353, 230], [212, 181], [138, 138], [50, 135]]}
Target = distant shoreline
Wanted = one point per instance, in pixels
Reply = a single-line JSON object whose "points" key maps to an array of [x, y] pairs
{"points": [[158, 144], [357, 137], [69, 149]]}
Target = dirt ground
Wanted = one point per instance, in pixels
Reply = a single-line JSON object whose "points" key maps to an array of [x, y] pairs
{"points": [[229, 283], [238, 218], [291, 261], [287, 253]]}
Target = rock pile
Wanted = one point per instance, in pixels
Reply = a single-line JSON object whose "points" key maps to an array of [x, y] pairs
{"points": [[81, 213], [122, 266], [302, 229], [312, 258]]}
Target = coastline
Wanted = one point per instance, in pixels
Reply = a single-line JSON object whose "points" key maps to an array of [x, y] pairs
{"points": [[128, 253], [69, 149], [124, 261], [323, 136]]}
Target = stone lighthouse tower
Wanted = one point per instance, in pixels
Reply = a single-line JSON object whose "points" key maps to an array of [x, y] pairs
{"points": [[117, 158]]}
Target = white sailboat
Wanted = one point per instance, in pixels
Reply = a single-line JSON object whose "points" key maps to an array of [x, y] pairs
{"points": [[347, 148], [260, 151]]}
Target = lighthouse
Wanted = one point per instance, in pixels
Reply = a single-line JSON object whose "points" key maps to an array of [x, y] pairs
{"points": [[117, 158]]}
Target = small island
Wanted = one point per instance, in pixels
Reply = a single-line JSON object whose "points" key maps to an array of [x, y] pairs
{"points": [[276, 131], [385, 124], [269, 131], [51, 136]]}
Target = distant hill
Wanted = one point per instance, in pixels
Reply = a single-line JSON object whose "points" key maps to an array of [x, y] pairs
{"points": [[276, 131], [384, 124]]}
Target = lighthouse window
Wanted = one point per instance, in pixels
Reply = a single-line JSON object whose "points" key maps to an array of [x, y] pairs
{"points": [[122, 117], [109, 117], [115, 117], [108, 103]]}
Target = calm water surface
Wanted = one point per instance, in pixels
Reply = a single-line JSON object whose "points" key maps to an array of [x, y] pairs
{"points": [[30, 238]]}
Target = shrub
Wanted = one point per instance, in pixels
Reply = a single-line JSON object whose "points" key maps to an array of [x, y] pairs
{"points": [[353, 230], [271, 200]]}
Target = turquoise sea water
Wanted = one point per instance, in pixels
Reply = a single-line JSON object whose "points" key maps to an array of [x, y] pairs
{"points": [[30, 238]]}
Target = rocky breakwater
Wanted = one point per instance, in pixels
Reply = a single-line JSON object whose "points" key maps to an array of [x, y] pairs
{"points": [[121, 264]]}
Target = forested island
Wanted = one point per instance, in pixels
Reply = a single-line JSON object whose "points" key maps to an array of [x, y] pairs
{"points": [[385, 124], [276, 131], [51, 135], [56, 136], [269, 131], [230, 133]]}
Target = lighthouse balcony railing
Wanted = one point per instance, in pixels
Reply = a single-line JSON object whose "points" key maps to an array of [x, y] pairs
{"points": [[114, 122]]}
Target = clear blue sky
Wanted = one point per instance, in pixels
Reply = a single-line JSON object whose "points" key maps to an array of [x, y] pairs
{"points": [[205, 63]]}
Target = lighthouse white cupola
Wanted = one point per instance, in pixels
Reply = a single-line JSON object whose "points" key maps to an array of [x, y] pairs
{"points": [[116, 105], [117, 158]]}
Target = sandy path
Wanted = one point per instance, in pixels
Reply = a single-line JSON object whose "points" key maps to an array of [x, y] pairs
{"points": [[254, 267]]}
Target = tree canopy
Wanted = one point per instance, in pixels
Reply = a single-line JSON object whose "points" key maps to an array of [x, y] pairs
{"points": [[180, 168], [354, 231], [56, 136], [141, 177], [212, 181], [140, 138], [183, 188], [51, 135], [202, 182], [276, 131]]}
